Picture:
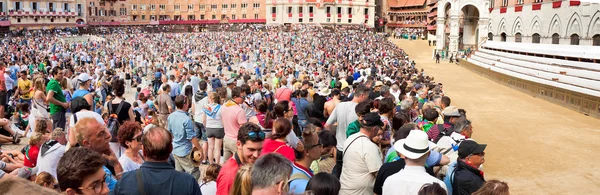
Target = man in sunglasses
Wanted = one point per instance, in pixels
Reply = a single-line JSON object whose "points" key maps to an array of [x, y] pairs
{"points": [[249, 144], [467, 178], [301, 172]]}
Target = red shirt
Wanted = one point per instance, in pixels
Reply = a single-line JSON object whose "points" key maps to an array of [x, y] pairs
{"points": [[31, 156], [227, 176], [271, 145], [283, 93]]}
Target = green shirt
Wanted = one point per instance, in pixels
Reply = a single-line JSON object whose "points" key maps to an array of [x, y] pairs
{"points": [[54, 86], [353, 128]]}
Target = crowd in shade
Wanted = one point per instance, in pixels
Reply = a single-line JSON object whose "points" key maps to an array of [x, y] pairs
{"points": [[264, 110]]}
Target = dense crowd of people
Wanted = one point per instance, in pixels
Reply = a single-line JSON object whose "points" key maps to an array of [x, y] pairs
{"points": [[294, 110]]}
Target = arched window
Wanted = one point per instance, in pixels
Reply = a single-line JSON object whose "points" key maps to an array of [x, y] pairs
{"points": [[503, 37], [536, 38], [555, 38], [490, 37], [596, 40], [574, 39], [518, 38]]}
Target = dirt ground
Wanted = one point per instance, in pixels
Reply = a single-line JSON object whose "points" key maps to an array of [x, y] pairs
{"points": [[535, 146]]}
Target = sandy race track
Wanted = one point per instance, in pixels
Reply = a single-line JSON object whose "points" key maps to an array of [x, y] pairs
{"points": [[536, 146]]}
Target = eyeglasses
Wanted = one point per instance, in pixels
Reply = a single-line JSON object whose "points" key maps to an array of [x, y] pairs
{"points": [[138, 138], [256, 135], [316, 145], [98, 186]]}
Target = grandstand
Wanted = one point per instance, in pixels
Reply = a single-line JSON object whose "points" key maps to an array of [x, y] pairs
{"points": [[565, 74]]}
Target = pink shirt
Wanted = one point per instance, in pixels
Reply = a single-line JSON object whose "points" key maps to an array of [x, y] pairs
{"points": [[232, 117], [283, 93]]}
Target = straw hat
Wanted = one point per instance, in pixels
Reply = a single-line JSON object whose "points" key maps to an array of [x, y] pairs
{"points": [[196, 157]]}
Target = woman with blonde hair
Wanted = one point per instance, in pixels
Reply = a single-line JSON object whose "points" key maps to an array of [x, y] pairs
{"points": [[214, 127], [242, 185], [39, 106], [29, 168], [493, 187], [44, 179]]}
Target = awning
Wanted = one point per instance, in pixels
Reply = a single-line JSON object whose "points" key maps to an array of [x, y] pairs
{"points": [[248, 21], [405, 3]]}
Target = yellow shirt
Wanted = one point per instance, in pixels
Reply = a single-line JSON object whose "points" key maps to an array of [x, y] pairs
{"points": [[25, 85]]}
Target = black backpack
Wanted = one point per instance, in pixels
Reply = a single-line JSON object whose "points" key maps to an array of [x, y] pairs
{"points": [[113, 121], [442, 132]]}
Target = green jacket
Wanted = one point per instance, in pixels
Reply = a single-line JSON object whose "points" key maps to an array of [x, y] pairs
{"points": [[353, 128]]}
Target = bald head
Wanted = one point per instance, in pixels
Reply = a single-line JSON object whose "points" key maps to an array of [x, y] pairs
{"points": [[157, 144]]}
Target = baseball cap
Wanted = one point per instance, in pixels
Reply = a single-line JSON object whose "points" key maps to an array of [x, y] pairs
{"points": [[83, 77], [469, 147], [372, 119], [451, 111]]}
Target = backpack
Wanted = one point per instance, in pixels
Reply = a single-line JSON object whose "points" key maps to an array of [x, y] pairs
{"points": [[113, 121], [442, 132]]}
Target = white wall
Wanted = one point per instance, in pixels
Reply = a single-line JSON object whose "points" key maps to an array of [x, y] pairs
{"points": [[583, 20], [320, 14]]}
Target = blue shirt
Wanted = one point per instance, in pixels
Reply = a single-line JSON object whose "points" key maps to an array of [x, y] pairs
{"points": [[182, 128], [298, 186], [110, 179], [158, 178], [174, 89], [301, 107]]}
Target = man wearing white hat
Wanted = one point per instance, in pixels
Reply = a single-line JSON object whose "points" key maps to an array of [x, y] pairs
{"points": [[415, 150]]}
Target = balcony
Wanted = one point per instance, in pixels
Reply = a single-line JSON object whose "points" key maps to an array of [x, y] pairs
{"points": [[40, 13]]}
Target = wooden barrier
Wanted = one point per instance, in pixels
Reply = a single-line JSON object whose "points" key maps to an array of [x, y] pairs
{"points": [[583, 103]]}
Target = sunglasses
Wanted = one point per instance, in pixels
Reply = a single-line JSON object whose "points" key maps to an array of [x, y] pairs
{"points": [[479, 154], [316, 145], [138, 138], [254, 136]]}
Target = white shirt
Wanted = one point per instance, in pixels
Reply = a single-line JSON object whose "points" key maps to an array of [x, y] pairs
{"points": [[409, 181], [209, 188], [343, 114], [361, 159]]}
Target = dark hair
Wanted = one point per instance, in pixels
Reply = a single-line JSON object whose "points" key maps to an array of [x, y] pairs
{"points": [[202, 85], [446, 101], [324, 184], [245, 129], [236, 92], [246, 88], [118, 86], [55, 70], [270, 169], [127, 132], [264, 108], [188, 91], [335, 92], [386, 105], [212, 172], [76, 164], [303, 93], [360, 90], [157, 144], [281, 128], [399, 119], [432, 189], [165, 87], [180, 101], [316, 122], [363, 108], [430, 114], [281, 108], [404, 131], [327, 138]]}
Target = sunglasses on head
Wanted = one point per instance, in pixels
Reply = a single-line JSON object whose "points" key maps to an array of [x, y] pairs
{"points": [[253, 135]]}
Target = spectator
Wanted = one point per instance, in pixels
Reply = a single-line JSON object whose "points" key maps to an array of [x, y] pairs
{"points": [[242, 184], [32, 150], [362, 158], [415, 149], [249, 145], [84, 84], [200, 101], [51, 152], [46, 180], [361, 109], [81, 109], [493, 187], [25, 88], [130, 137], [323, 184], [156, 173], [277, 142], [270, 174], [92, 134], [343, 114], [214, 127], [122, 109], [432, 189], [233, 116], [467, 178], [56, 98], [209, 184], [164, 106], [15, 185], [302, 108], [327, 139], [301, 172], [184, 137], [80, 171]]}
